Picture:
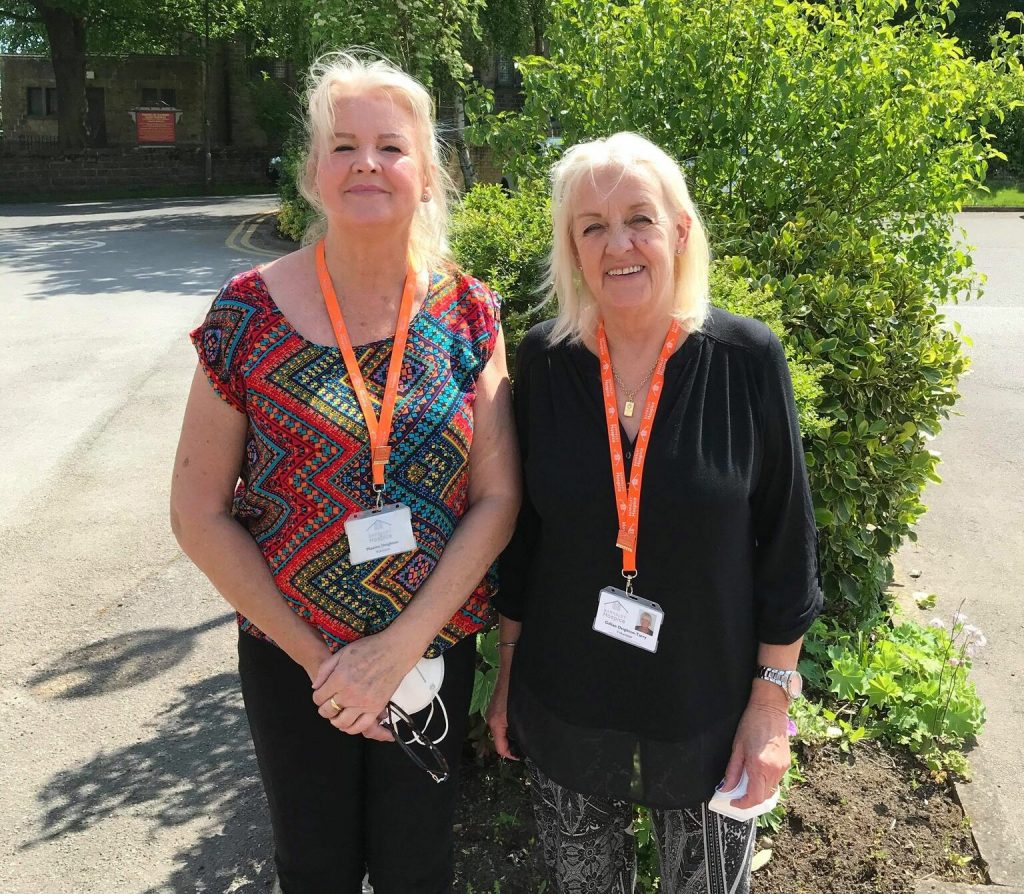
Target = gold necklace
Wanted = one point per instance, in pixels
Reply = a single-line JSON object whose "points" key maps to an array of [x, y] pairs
{"points": [[630, 406]]}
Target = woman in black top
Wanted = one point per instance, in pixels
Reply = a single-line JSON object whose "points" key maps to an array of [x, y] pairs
{"points": [[722, 541]]}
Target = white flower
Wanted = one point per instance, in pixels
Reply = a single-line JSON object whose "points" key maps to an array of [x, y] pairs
{"points": [[959, 618], [974, 640], [937, 622]]}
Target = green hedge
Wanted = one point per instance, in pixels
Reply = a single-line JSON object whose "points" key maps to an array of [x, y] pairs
{"points": [[828, 147], [296, 214]]}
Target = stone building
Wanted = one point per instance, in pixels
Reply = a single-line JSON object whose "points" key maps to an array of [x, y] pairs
{"points": [[117, 85]]}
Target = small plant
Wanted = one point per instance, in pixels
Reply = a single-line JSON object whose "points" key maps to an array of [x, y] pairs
{"points": [[906, 684], [924, 600], [647, 867], [484, 679], [505, 820]]}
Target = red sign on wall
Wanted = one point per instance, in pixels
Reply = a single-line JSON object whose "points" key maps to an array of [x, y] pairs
{"points": [[155, 127]]}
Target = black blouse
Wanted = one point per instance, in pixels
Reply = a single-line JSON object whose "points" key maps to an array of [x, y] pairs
{"points": [[727, 547]]}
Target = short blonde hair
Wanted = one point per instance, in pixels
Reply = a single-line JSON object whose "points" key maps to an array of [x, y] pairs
{"points": [[623, 151], [359, 71]]}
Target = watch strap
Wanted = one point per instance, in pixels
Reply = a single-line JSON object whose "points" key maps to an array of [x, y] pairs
{"points": [[776, 675]]}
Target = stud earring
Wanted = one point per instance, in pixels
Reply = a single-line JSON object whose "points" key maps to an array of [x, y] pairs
{"points": [[425, 197]]}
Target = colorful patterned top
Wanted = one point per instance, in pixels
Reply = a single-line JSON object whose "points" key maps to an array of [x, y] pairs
{"points": [[307, 458]]}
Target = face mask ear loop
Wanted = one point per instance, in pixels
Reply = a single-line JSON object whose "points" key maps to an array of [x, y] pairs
{"points": [[444, 712]]}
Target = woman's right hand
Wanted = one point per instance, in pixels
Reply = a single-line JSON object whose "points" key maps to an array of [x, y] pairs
{"points": [[497, 717]]}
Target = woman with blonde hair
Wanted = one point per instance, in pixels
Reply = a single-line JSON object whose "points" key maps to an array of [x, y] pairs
{"points": [[343, 479], [664, 565]]}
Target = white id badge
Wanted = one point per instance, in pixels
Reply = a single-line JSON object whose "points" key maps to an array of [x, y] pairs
{"points": [[377, 533], [628, 618]]}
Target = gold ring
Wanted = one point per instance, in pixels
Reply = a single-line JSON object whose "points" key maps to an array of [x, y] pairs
{"points": [[335, 705]]}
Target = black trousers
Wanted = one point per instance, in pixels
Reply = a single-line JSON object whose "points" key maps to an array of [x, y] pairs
{"points": [[342, 805]]}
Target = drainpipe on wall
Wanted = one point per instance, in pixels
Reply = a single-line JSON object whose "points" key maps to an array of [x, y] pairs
{"points": [[208, 155]]}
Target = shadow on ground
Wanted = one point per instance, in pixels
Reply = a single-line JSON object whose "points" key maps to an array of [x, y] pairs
{"points": [[119, 662], [198, 764], [110, 257]]}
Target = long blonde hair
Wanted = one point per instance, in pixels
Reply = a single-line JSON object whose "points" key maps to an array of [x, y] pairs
{"points": [[357, 71], [623, 151]]}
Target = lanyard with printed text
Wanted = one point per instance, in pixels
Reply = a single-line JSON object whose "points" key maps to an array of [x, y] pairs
{"points": [[627, 498], [379, 430]]}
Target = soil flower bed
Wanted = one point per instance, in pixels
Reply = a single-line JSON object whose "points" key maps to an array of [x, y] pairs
{"points": [[872, 820]]}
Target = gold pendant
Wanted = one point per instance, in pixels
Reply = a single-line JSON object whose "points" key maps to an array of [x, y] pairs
{"points": [[628, 409]]}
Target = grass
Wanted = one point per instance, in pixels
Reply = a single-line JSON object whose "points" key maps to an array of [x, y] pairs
{"points": [[1001, 194]]}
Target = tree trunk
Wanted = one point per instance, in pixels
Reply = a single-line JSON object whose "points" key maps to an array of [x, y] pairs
{"points": [[66, 34], [538, 15], [465, 160]]}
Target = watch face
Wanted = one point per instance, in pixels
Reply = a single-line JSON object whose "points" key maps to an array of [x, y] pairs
{"points": [[795, 685]]}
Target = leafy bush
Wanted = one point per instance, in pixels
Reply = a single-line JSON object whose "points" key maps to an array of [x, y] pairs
{"points": [[504, 240], [827, 146], [296, 213]]}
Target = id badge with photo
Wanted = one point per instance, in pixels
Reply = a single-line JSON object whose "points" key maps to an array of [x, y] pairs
{"points": [[628, 618], [377, 533]]}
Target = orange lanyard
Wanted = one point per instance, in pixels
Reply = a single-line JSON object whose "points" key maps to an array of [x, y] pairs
{"points": [[380, 431], [627, 499]]}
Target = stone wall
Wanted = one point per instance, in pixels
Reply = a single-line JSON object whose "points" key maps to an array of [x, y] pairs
{"points": [[24, 175]]}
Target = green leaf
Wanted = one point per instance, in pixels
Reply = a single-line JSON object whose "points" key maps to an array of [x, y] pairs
{"points": [[823, 516], [846, 678], [487, 645], [882, 688], [478, 701]]}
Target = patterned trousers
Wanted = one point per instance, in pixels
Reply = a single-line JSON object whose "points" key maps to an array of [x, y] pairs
{"points": [[588, 844]]}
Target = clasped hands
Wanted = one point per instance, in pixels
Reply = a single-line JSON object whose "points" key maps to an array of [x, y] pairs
{"points": [[352, 687]]}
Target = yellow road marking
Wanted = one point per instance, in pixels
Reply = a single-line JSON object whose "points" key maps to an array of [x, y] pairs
{"points": [[240, 238]]}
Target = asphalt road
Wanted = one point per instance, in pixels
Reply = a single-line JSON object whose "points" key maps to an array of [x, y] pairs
{"points": [[971, 542], [126, 761]]}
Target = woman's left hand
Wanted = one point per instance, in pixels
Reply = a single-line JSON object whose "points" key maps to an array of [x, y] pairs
{"points": [[360, 678], [761, 746]]}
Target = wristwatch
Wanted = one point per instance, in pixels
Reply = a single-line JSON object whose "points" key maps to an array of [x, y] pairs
{"points": [[789, 681]]}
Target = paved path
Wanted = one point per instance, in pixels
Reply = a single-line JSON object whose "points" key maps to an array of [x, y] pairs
{"points": [[127, 766], [971, 542]]}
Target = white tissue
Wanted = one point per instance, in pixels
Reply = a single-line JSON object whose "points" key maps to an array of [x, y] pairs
{"points": [[720, 801]]}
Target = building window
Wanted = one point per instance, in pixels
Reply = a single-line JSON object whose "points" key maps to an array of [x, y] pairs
{"points": [[506, 74], [159, 96], [42, 101], [264, 67]]}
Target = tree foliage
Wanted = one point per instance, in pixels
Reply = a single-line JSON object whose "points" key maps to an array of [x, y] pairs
{"points": [[116, 27], [976, 22], [828, 146], [424, 38]]}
